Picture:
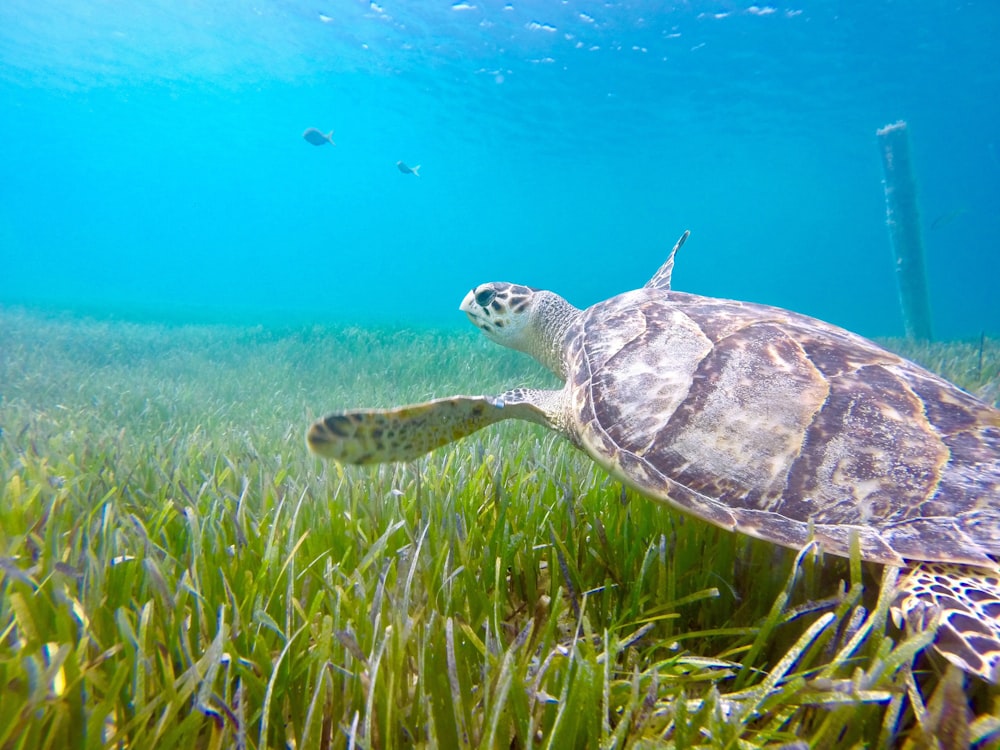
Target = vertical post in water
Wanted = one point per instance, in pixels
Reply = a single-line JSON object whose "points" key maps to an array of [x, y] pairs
{"points": [[904, 230]]}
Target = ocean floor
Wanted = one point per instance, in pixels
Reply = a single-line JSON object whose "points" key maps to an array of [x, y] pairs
{"points": [[176, 570]]}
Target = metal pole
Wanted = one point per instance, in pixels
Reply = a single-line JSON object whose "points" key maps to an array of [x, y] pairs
{"points": [[903, 221]]}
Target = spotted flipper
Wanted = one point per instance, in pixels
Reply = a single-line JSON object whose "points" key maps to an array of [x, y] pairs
{"points": [[966, 601], [372, 436]]}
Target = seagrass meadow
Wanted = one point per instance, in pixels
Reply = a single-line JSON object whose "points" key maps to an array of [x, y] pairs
{"points": [[176, 571]]}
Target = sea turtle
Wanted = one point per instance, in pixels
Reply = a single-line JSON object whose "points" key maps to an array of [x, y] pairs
{"points": [[753, 418]]}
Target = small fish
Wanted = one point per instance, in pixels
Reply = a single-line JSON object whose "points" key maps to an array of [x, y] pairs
{"points": [[318, 138], [945, 219], [408, 170]]}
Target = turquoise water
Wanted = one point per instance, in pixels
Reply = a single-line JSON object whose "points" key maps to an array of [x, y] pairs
{"points": [[152, 161]]}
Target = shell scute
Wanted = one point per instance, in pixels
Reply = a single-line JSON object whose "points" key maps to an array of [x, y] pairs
{"points": [[869, 455]]}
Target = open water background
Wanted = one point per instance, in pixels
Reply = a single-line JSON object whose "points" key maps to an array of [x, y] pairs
{"points": [[152, 163]]}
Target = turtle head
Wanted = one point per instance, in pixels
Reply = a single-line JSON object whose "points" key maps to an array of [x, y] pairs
{"points": [[533, 321], [502, 311]]}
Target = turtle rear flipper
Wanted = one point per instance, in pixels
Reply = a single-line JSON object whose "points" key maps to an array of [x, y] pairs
{"points": [[373, 436], [966, 601]]}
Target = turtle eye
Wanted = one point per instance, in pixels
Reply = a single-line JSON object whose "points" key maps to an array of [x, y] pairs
{"points": [[484, 297]]}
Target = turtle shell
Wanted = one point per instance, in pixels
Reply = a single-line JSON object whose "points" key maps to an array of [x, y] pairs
{"points": [[784, 427]]}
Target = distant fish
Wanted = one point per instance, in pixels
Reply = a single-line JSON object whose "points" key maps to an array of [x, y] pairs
{"points": [[408, 170], [945, 219], [318, 138]]}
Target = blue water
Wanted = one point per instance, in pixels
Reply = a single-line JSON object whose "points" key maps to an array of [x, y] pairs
{"points": [[152, 159]]}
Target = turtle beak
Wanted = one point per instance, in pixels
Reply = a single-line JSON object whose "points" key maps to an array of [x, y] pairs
{"points": [[472, 309], [468, 304]]}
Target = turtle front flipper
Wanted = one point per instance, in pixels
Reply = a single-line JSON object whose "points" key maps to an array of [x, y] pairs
{"points": [[661, 279], [372, 436]]}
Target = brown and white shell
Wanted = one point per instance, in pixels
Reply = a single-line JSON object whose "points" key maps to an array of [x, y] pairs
{"points": [[783, 427]]}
